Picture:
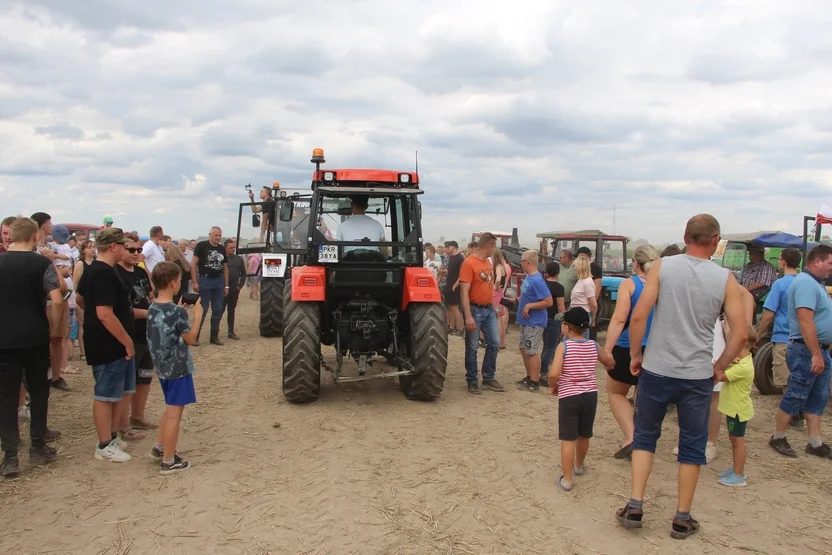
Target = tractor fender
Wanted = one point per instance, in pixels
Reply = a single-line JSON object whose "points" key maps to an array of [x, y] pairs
{"points": [[308, 283], [419, 286], [611, 284]]}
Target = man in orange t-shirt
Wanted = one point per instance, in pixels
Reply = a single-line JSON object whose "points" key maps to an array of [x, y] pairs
{"points": [[476, 282]]}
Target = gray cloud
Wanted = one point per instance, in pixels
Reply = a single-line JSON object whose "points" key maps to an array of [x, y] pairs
{"points": [[521, 117]]}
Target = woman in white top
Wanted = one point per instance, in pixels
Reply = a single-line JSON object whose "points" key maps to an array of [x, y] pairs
{"points": [[583, 294], [87, 255]]}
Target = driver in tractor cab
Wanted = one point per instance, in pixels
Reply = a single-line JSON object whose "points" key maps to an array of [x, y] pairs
{"points": [[360, 226], [758, 274]]}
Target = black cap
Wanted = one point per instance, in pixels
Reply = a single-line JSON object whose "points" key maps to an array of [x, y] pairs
{"points": [[577, 317], [585, 250]]}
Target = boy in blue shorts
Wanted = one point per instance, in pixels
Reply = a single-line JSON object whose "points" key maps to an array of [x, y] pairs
{"points": [[168, 335]]}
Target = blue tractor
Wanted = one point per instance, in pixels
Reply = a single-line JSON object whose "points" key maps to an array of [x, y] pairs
{"points": [[610, 251]]}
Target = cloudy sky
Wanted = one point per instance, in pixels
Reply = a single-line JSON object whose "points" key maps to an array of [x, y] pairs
{"points": [[536, 114]]}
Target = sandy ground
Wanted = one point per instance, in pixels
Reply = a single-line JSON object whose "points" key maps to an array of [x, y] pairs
{"points": [[365, 471]]}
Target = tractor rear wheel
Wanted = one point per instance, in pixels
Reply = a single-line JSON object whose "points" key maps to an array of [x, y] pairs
{"points": [[271, 307], [606, 308], [428, 352], [763, 374], [301, 349]]}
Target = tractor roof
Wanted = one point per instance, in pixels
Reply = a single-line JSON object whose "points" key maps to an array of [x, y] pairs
{"points": [[581, 235], [370, 189], [372, 178]]}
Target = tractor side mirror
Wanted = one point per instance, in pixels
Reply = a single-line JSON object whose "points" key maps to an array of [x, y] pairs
{"points": [[255, 220], [287, 210]]}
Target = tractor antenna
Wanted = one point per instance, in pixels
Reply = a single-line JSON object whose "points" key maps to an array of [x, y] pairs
{"points": [[417, 161], [613, 219]]}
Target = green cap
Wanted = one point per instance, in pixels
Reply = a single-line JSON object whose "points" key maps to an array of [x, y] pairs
{"points": [[110, 235]]}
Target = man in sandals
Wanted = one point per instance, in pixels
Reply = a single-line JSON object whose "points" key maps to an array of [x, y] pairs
{"points": [[688, 292]]}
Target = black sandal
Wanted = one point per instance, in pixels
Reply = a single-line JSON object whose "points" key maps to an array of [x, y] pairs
{"points": [[682, 529], [629, 517]]}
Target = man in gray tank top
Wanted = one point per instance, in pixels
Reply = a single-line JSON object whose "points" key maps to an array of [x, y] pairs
{"points": [[688, 292]]}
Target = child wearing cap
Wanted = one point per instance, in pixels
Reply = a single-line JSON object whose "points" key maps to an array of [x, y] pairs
{"points": [[735, 403], [574, 381]]}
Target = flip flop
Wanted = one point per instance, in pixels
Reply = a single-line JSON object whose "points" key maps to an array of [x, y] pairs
{"points": [[143, 424], [129, 434]]}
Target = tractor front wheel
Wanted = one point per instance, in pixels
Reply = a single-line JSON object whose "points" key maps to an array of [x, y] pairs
{"points": [[763, 373], [271, 306], [301, 349], [428, 352], [606, 308]]}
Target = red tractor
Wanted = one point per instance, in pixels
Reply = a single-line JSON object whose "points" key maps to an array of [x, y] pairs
{"points": [[363, 296]]}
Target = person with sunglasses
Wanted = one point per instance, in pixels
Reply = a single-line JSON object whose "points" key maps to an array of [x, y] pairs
{"points": [[137, 280]]}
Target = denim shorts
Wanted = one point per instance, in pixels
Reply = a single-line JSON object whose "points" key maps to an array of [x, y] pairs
{"points": [[114, 380], [693, 405], [805, 392]]}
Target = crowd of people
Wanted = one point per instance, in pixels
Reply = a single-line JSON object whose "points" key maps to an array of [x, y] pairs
{"points": [[681, 337], [124, 303]]}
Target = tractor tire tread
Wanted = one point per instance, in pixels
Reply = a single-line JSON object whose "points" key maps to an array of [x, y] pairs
{"points": [[301, 349], [429, 351], [271, 307]]}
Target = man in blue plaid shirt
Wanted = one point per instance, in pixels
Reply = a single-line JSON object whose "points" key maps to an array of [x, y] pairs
{"points": [[758, 274]]}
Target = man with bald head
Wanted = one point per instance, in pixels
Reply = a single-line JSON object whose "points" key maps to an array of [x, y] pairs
{"points": [[209, 274], [688, 292]]}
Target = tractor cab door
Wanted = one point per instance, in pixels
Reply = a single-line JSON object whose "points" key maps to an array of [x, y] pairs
{"points": [[734, 258], [255, 226]]}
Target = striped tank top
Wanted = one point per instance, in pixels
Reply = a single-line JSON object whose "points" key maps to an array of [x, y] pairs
{"points": [[578, 374]]}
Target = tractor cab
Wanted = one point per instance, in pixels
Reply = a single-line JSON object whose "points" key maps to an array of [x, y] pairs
{"points": [[363, 288], [609, 251]]}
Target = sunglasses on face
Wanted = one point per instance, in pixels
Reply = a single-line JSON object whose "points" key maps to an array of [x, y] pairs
{"points": [[132, 250]]}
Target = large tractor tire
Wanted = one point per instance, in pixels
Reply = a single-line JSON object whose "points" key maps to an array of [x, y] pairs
{"points": [[763, 375], [606, 308], [301, 349], [427, 352], [271, 307]]}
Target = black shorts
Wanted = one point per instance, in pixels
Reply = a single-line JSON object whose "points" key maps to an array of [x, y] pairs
{"points": [[621, 371], [452, 298], [144, 364], [576, 416]]}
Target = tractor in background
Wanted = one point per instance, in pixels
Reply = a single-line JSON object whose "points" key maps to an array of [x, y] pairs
{"points": [[366, 297], [281, 244], [613, 260]]}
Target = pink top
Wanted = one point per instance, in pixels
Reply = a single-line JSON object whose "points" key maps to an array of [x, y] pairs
{"points": [[582, 292], [578, 373], [500, 292]]}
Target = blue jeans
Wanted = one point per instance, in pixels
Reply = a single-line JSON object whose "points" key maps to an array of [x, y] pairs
{"points": [[805, 392], [212, 292], [551, 338], [486, 320], [693, 405]]}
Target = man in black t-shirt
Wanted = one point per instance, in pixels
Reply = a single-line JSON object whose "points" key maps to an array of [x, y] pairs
{"points": [[452, 291], [138, 287], [26, 279], [551, 337], [108, 340], [209, 273], [236, 281]]}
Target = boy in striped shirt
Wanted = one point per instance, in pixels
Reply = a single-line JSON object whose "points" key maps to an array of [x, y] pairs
{"points": [[574, 381]]}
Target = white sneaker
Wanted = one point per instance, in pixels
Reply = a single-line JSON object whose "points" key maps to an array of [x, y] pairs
{"points": [[112, 453], [710, 452], [121, 444], [24, 413]]}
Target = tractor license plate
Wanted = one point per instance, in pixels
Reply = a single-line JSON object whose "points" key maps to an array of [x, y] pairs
{"points": [[328, 253]]}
